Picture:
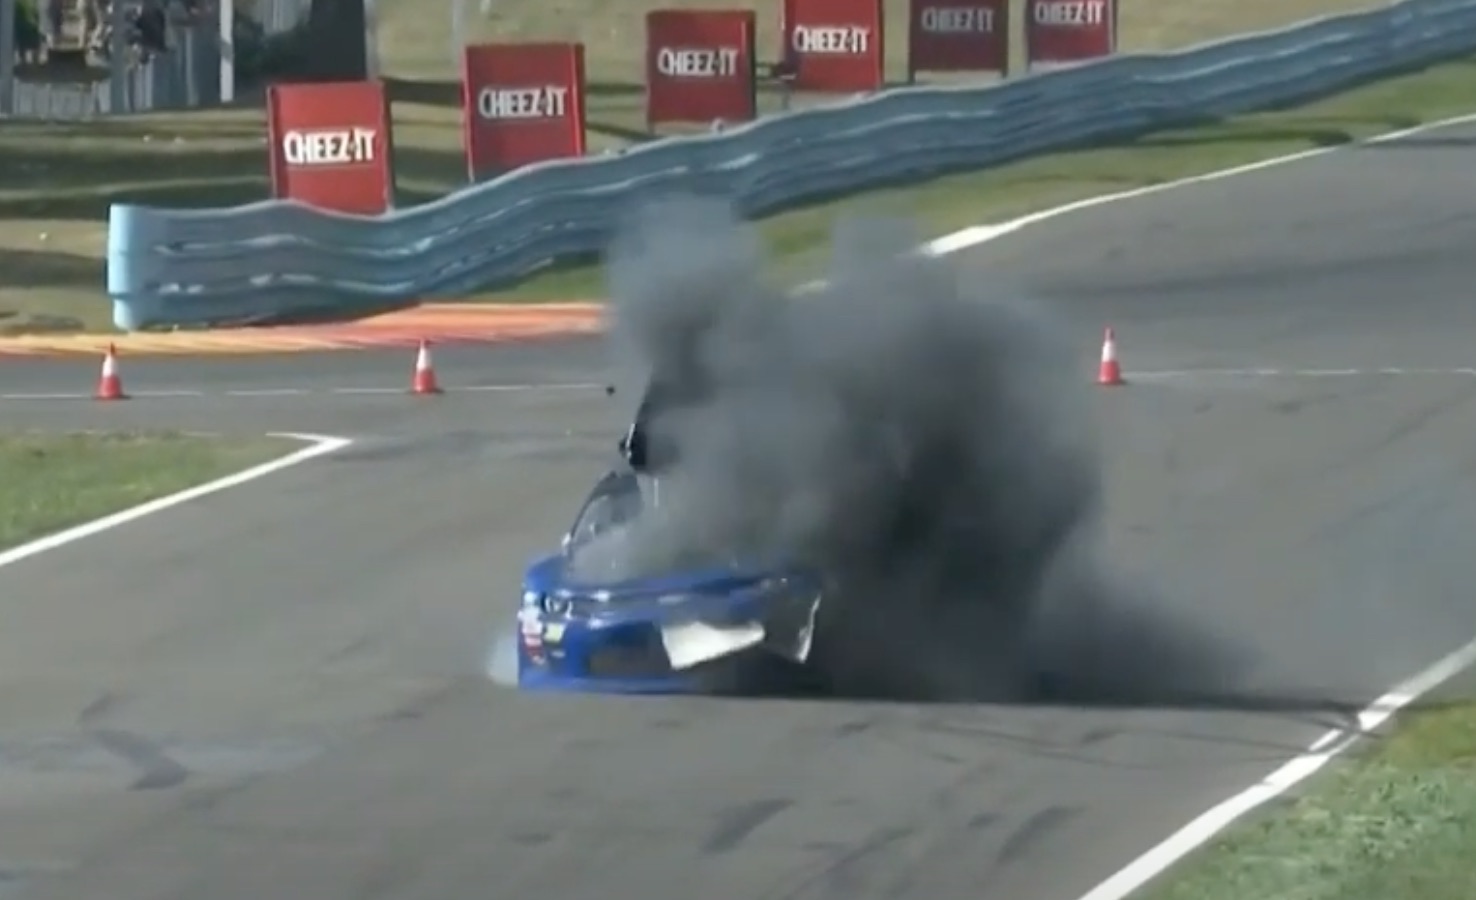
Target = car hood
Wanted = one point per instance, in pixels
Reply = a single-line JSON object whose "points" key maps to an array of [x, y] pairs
{"points": [[549, 575]]}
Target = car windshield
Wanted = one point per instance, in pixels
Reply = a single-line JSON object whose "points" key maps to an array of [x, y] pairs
{"points": [[614, 504], [602, 547]]}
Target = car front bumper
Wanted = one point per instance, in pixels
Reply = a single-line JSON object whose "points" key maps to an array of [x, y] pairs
{"points": [[653, 650]]}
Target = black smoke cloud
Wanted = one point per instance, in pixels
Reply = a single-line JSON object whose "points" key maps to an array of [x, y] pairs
{"points": [[928, 445]]}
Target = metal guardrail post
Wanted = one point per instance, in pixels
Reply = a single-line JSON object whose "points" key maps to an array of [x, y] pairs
{"points": [[371, 41], [185, 66], [7, 57], [118, 61], [225, 20]]}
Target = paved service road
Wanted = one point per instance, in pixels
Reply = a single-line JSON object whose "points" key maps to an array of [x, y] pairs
{"points": [[337, 612]]}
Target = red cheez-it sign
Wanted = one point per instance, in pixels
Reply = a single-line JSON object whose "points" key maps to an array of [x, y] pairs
{"points": [[521, 104], [700, 66], [958, 36], [331, 145], [1067, 31], [834, 45]]}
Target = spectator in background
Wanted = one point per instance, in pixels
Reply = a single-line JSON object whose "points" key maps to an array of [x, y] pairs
{"points": [[29, 39], [53, 21], [145, 28], [150, 30], [97, 14]]}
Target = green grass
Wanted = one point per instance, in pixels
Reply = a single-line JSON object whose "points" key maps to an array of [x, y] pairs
{"points": [[54, 481], [1396, 822], [57, 180], [798, 240]]}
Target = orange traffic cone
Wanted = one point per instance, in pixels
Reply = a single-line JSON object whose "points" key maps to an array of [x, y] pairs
{"points": [[424, 381], [109, 384], [1109, 373]]}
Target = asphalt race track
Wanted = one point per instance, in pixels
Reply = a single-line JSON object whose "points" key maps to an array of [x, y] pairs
{"points": [[277, 691]]}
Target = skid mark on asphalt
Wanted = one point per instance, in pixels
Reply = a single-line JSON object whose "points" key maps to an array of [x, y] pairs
{"points": [[142, 763]]}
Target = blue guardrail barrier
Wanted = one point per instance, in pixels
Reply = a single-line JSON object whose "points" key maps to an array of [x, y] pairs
{"points": [[280, 260]]}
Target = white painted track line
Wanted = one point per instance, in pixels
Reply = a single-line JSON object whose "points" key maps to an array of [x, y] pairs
{"points": [[1150, 375], [305, 392], [1202, 829], [318, 445], [1321, 752], [1206, 826]]}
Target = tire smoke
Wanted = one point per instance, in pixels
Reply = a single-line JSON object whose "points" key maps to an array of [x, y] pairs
{"points": [[926, 444]]}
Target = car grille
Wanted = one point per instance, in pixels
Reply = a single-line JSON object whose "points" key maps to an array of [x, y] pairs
{"points": [[637, 656]]}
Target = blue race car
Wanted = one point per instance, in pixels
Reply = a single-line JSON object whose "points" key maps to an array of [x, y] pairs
{"points": [[702, 630]]}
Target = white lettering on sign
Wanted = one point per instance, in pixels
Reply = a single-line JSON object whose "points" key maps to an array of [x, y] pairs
{"points": [[958, 20], [547, 102], [832, 39], [329, 147], [1071, 13], [721, 62]]}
